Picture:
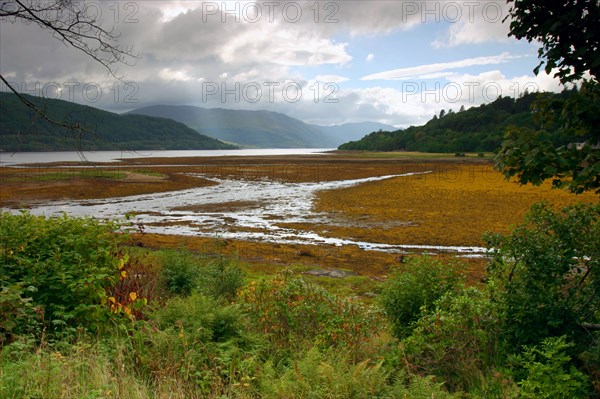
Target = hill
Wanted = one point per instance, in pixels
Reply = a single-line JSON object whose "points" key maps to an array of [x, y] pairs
{"points": [[478, 129], [21, 131], [352, 131], [256, 129]]}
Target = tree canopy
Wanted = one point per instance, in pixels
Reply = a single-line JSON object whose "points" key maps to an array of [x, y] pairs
{"points": [[569, 38], [568, 33]]}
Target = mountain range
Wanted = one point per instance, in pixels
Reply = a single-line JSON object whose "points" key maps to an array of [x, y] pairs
{"points": [[21, 129], [261, 129]]}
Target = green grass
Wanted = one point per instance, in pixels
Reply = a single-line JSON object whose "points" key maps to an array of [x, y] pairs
{"points": [[66, 175], [179, 324]]}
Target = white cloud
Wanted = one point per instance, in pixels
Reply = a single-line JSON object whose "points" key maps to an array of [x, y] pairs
{"points": [[181, 75], [183, 50], [480, 22], [331, 78], [425, 70]]}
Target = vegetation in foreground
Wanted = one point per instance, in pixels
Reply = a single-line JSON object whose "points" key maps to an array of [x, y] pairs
{"points": [[85, 315]]}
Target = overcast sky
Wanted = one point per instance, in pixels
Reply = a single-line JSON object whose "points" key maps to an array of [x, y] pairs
{"points": [[327, 62]]}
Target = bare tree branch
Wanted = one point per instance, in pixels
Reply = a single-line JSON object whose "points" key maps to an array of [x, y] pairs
{"points": [[72, 23]]}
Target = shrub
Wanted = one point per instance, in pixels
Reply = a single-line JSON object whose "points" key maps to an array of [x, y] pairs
{"points": [[180, 272], [203, 318], [220, 279], [456, 340], [295, 314], [546, 271], [547, 373], [197, 341], [18, 316], [411, 291], [67, 264]]}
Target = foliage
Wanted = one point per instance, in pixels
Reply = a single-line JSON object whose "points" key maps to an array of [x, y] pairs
{"points": [[532, 155], [548, 373], [180, 272], [18, 315], [457, 340], [478, 129], [292, 313], [221, 278], [201, 318], [412, 291], [331, 374], [184, 272], [65, 264], [547, 274], [571, 51], [285, 337], [85, 371]]}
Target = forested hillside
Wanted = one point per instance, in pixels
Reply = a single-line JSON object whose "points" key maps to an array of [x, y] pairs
{"points": [[477, 129], [22, 130]]}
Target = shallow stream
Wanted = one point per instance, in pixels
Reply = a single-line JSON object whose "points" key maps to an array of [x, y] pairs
{"points": [[238, 209]]}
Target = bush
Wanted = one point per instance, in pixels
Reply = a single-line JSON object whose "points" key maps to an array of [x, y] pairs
{"points": [[457, 340], [198, 341], [66, 265], [547, 373], [18, 316], [220, 279], [295, 314], [183, 272], [411, 291], [546, 271], [180, 272], [203, 318]]}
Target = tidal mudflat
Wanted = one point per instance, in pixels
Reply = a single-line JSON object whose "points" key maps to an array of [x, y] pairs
{"points": [[314, 205]]}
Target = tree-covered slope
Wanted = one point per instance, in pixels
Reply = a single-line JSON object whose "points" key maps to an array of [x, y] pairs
{"points": [[352, 131], [477, 129], [21, 130]]}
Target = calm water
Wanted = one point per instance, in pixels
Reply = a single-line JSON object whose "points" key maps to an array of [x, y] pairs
{"points": [[15, 158]]}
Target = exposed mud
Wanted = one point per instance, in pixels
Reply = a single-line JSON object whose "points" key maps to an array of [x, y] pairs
{"points": [[319, 211]]}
